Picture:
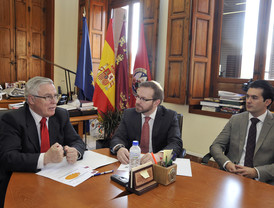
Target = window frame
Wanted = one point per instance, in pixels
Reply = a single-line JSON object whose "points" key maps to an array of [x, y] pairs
{"points": [[118, 4], [235, 84]]}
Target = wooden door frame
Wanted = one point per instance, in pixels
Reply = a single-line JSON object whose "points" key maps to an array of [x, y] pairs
{"points": [[49, 34]]}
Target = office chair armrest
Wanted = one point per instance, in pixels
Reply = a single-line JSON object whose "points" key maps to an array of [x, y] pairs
{"points": [[206, 159]]}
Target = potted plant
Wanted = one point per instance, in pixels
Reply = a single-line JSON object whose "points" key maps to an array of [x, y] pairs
{"points": [[108, 123]]}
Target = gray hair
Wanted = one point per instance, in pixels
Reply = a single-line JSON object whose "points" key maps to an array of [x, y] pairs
{"points": [[33, 85], [158, 90]]}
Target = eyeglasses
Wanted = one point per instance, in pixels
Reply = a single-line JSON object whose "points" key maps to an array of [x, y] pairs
{"points": [[143, 99], [48, 97]]}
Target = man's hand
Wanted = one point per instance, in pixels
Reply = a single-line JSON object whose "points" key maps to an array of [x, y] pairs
{"points": [[71, 154], [148, 157], [54, 154], [230, 167], [123, 155], [246, 171]]}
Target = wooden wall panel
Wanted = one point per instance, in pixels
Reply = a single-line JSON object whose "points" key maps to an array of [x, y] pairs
{"points": [[203, 7], [201, 50], [199, 76], [149, 11], [176, 46], [7, 53], [36, 38], [174, 79], [96, 14], [177, 51], [98, 27], [5, 48], [201, 38], [178, 6], [97, 44]]}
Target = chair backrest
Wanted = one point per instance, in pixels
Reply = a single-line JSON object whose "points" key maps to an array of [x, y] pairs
{"points": [[180, 118]]}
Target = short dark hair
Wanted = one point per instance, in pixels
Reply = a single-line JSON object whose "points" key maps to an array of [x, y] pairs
{"points": [[158, 90], [268, 91]]}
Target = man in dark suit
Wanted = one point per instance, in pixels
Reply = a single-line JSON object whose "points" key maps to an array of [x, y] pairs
{"points": [[234, 139], [22, 146], [163, 125]]}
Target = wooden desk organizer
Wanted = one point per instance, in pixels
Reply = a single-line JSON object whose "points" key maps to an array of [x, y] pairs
{"points": [[141, 179], [165, 175]]}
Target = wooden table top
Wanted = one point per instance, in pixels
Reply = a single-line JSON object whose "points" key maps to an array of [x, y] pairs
{"points": [[208, 187]]}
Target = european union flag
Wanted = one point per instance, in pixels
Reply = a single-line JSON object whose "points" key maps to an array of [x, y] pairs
{"points": [[84, 79]]}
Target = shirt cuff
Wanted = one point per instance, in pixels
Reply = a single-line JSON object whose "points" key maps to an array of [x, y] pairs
{"points": [[40, 163], [225, 165], [258, 173], [79, 155], [115, 149]]}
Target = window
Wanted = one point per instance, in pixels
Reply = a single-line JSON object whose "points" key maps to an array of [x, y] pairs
{"points": [[243, 35], [132, 28], [231, 44]]}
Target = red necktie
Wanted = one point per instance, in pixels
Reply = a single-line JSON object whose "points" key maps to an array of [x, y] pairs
{"points": [[251, 143], [145, 136], [45, 145]]}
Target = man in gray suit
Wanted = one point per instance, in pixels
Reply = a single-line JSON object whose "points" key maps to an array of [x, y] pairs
{"points": [[234, 139], [164, 127]]}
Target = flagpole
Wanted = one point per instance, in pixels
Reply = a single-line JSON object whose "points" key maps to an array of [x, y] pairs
{"points": [[84, 12]]}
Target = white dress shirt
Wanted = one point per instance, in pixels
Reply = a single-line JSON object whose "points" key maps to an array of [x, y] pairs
{"points": [[37, 118]]}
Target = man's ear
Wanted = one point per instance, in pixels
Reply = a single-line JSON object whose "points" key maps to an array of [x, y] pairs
{"points": [[31, 99], [267, 102], [157, 102]]}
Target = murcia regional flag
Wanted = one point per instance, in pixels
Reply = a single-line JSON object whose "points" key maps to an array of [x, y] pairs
{"points": [[104, 94]]}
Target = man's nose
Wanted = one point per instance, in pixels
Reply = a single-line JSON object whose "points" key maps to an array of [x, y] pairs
{"points": [[248, 99]]}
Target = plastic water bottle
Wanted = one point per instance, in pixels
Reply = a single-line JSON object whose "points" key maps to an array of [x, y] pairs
{"points": [[134, 155]]}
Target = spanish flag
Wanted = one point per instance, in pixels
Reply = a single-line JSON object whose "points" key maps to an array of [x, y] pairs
{"points": [[104, 93]]}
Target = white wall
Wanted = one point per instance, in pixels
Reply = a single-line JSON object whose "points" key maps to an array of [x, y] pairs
{"points": [[198, 131], [65, 40]]}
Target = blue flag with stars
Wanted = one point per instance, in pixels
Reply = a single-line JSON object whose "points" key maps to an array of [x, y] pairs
{"points": [[84, 78]]}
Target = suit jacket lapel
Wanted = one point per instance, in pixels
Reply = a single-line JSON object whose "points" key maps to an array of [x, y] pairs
{"points": [[32, 130], [243, 126], [268, 123], [156, 124], [53, 124]]}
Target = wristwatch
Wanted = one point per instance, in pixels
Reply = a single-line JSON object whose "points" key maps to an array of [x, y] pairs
{"points": [[116, 148]]}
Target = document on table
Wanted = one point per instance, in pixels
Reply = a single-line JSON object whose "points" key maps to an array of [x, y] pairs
{"points": [[183, 167], [95, 160], [63, 172], [76, 173]]}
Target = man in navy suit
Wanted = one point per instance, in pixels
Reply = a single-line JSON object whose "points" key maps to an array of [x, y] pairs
{"points": [[20, 138], [163, 123]]}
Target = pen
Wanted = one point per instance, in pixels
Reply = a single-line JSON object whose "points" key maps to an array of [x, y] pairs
{"points": [[102, 173], [153, 157]]}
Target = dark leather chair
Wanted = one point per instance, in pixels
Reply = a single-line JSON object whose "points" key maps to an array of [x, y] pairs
{"points": [[4, 176], [180, 118], [207, 157]]}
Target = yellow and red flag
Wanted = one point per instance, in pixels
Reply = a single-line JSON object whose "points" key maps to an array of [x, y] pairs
{"points": [[104, 93]]}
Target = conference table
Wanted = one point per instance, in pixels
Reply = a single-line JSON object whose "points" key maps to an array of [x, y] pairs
{"points": [[208, 187]]}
